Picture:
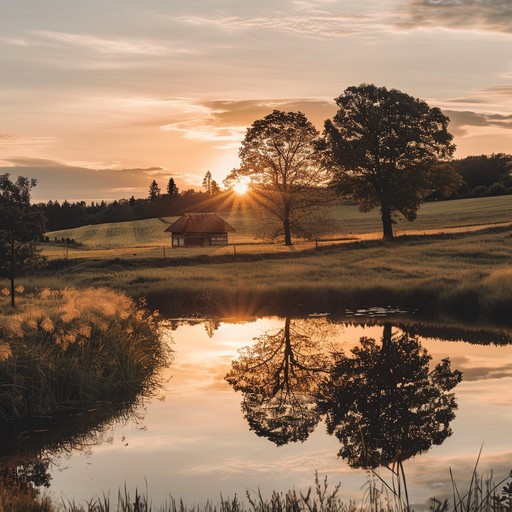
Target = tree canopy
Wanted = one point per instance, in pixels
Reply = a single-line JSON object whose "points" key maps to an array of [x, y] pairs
{"points": [[390, 150], [280, 158], [21, 228]]}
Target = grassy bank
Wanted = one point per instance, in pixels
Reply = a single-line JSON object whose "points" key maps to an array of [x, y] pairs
{"points": [[467, 275], [62, 349]]}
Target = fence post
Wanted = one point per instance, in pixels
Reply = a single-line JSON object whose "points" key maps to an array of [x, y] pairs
{"points": [[163, 247]]}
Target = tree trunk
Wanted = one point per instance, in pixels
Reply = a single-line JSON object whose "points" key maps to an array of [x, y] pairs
{"points": [[387, 223], [286, 223], [287, 232], [11, 273]]}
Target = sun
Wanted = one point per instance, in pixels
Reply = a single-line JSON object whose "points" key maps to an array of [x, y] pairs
{"points": [[241, 187]]}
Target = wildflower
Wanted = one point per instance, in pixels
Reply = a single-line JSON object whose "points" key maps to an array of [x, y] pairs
{"points": [[5, 292], [19, 289]]}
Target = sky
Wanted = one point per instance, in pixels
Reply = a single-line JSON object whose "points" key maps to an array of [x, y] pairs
{"points": [[99, 98]]}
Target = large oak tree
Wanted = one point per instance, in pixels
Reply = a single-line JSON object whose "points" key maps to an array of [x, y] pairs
{"points": [[389, 150], [287, 177]]}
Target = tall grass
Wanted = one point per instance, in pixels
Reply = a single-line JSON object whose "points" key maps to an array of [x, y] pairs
{"points": [[60, 349]]}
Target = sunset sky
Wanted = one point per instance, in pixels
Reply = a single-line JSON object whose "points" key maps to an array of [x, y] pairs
{"points": [[99, 98]]}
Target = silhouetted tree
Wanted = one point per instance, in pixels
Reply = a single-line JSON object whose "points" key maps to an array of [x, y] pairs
{"points": [[384, 404], [154, 191], [484, 170], [390, 150], [280, 158], [210, 185], [278, 377], [21, 228], [172, 189]]}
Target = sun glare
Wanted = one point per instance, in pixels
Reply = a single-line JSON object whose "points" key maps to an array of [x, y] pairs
{"points": [[241, 187]]}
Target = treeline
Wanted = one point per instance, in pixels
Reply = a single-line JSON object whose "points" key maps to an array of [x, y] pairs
{"points": [[68, 215], [482, 176]]}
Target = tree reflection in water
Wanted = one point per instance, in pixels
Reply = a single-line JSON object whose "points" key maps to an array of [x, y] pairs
{"points": [[29, 449], [383, 402], [279, 378]]}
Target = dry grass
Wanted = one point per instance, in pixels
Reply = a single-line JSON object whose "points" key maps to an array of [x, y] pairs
{"points": [[461, 274], [72, 347]]}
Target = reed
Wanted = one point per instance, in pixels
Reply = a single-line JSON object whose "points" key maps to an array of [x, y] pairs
{"points": [[381, 494], [60, 349]]}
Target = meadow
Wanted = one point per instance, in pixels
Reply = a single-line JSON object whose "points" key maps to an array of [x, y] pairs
{"points": [[147, 239], [455, 262]]}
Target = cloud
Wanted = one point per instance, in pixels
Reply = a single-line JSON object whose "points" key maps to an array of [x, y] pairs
{"points": [[475, 373], [11, 143], [59, 180], [227, 137], [14, 41], [482, 15], [225, 122], [102, 45], [461, 121], [312, 24]]}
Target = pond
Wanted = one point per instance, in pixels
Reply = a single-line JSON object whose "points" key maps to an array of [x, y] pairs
{"points": [[200, 437]]}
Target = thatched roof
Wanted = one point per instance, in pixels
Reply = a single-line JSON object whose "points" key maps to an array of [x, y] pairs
{"points": [[199, 223]]}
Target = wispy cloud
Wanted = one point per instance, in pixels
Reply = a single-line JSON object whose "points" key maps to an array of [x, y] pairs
{"points": [[103, 45], [229, 136], [312, 24], [14, 41], [12, 145], [224, 122], [462, 121], [483, 15]]}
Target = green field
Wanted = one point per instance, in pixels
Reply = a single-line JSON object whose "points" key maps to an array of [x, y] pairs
{"points": [[146, 238]]}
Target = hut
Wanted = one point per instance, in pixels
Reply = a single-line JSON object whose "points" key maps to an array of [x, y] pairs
{"points": [[199, 230]]}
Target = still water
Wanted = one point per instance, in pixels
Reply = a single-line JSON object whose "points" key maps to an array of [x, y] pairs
{"points": [[200, 438]]}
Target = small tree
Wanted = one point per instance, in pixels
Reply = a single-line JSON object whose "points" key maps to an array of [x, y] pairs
{"points": [[154, 191], [389, 149], [279, 156], [21, 228], [210, 185], [172, 189]]}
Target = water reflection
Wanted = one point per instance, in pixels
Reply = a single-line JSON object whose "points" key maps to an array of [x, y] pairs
{"points": [[383, 401], [279, 377], [29, 449]]}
